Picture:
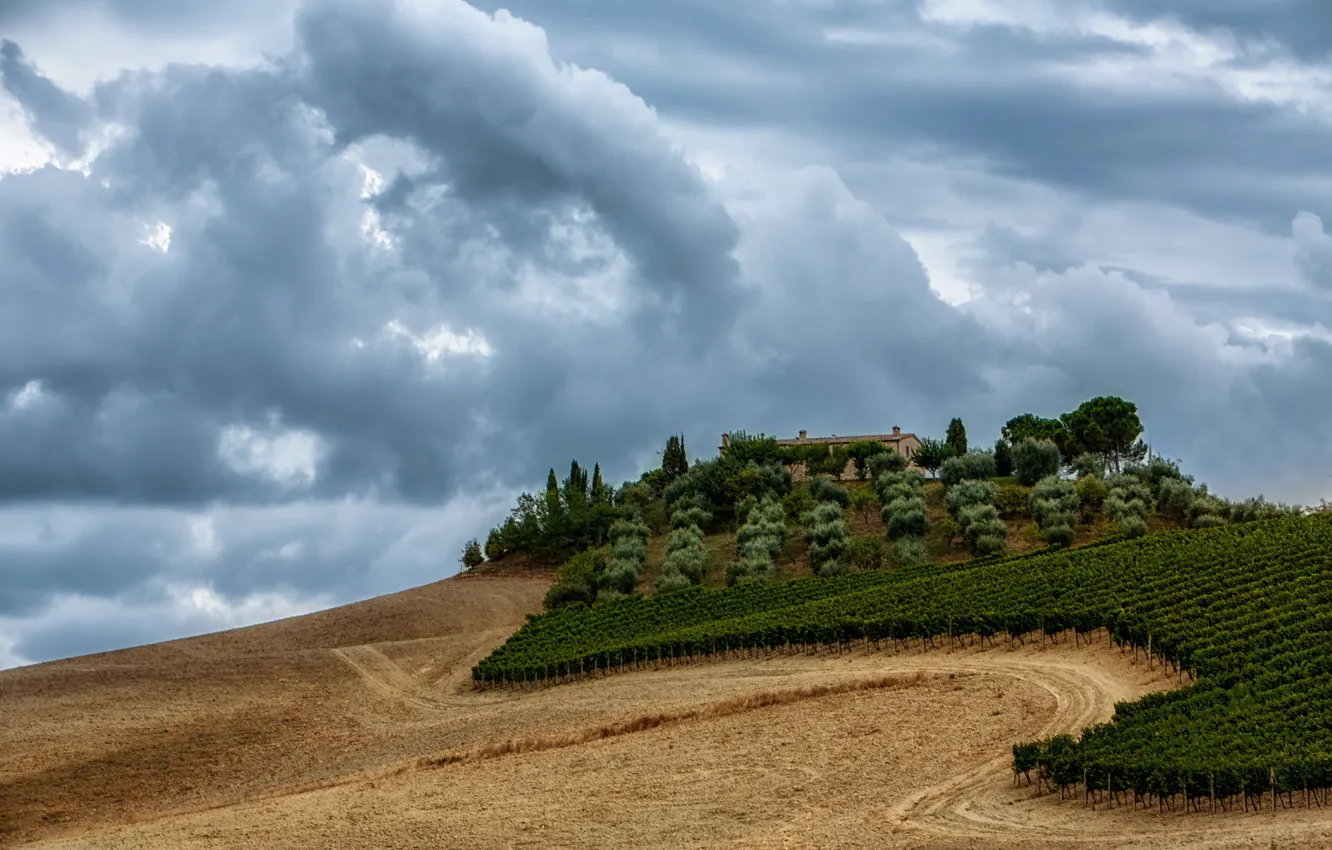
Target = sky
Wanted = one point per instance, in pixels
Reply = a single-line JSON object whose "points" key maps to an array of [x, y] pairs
{"points": [[295, 297]]}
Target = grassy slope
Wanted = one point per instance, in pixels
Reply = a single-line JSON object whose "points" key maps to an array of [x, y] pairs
{"points": [[1023, 536]]}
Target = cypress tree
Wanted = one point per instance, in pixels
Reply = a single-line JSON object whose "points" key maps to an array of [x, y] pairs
{"points": [[674, 461], [957, 437], [598, 486]]}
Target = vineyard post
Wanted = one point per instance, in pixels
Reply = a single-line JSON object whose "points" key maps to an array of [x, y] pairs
{"points": [[1149, 650], [1271, 778], [1211, 789]]}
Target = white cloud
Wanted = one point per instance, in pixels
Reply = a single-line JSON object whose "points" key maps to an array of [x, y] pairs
{"points": [[158, 237], [441, 340], [285, 455], [27, 396]]}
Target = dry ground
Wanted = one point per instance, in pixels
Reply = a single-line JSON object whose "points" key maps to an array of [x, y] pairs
{"points": [[356, 728]]}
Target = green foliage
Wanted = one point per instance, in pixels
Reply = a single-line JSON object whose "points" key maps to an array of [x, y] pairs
{"points": [[964, 494], [827, 536], [1174, 499], [908, 519], [824, 490], [1003, 459], [1128, 503], [956, 437], [889, 461], [1088, 465], [866, 552], [969, 466], [495, 545], [1034, 460], [1156, 472], [1108, 426], [687, 558], [577, 578], [1028, 426], [1246, 610], [797, 503], [759, 542], [825, 459], [1058, 534], [909, 552], [674, 460], [985, 533], [1091, 495], [931, 455], [567, 518], [1012, 501], [472, 555], [862, 452], [863, 501], [1054, 502], [761, 451]]}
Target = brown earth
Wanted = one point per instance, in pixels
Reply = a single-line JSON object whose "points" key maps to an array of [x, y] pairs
{"points": [[356, 727]]}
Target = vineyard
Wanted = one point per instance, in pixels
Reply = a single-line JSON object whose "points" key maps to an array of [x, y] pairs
{"points": [[1243, 612]]}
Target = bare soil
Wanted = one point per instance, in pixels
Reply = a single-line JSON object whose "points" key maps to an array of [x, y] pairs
{"points": [[357, 727]]}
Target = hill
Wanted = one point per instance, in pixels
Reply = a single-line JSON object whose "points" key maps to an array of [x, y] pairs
{"points": [[358, 727]]}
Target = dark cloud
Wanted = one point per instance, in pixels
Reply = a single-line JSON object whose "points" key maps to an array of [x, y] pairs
{"points": [[58, 116]]}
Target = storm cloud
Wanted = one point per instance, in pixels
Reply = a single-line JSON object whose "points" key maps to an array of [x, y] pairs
{"points": [[284, 331]]}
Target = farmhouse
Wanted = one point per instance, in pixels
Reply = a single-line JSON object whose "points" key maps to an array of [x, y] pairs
{"points": [[904, 444]]}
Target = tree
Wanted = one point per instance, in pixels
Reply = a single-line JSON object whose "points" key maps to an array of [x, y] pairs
{"points": [[495, 548], [599, 493], [956, 438], [931, 455], [1108, 426], [862, 451], [472, 555], [965, 467], [1034, 460], [1031, 426], [674, 461], [1003, 458], [862, 499]]}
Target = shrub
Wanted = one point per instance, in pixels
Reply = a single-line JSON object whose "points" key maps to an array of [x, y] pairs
{"points": [[967, 493], [629, 549], [1088, 465], [864, 552], [1054, 501], [886, 462], [1157, 471], [983, 530], [1132, 526], [909, 552], [1035, 459], [822, 489], [1060, 535], [908, 522], [671, 582], [620, 575], [1012, 501], [827, 536], [1091, 495], [1174, 499], [797, 503], [970, 466], [1257, 508], [1208, 521]]}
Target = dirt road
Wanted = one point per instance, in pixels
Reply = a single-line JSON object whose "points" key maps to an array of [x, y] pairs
{"points": [[357, 728]]}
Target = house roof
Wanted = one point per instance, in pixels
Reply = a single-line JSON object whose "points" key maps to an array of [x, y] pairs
{"points": [[878, 438]]}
